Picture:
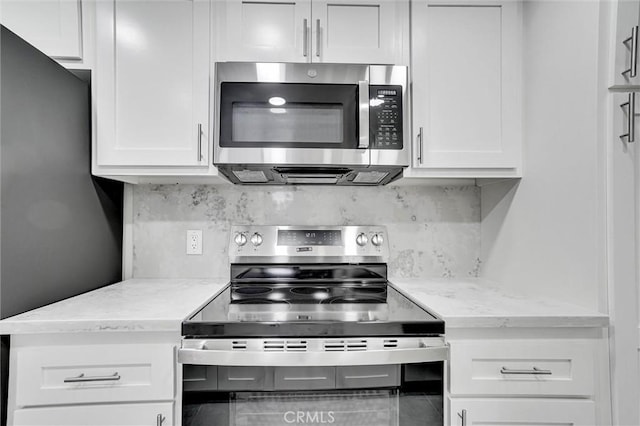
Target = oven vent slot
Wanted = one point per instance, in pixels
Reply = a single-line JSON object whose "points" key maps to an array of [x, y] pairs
{"points": [[345, 345], [239, 345], [390, 343], [285, 346], [296, 346], [273, 346]]}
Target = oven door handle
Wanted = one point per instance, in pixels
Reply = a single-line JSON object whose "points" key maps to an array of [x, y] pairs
{"points": [[363, 108], [287, 359]]}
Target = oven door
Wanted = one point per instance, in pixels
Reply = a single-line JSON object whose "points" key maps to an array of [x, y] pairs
{"points": [[380, 395], [293, 123]]}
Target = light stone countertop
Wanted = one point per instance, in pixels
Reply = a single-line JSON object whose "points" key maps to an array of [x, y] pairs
{"points": [[479, 303], [162, 305], [131, 305]]}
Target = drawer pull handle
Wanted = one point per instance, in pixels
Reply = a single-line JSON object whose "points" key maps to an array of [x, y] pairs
{"points": [[534, 370], [304, 378], [160, 419], [371, 376], [82, 378]]}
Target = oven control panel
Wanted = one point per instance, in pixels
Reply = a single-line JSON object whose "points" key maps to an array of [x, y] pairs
{"points": [[280, 243]]}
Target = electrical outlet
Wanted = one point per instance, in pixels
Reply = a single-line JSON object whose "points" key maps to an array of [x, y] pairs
{"points": [[194, 241]]}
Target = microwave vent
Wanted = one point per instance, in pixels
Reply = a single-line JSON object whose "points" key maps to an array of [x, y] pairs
{"points": [[251, 176], [370, 177]]}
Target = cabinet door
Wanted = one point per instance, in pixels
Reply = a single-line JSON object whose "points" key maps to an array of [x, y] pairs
{"points": [[52, 26], [626, 71], [152, 83], [466, 103], [97, 415], [360, 31], [524, 412], [623, 196], [263, 30]]}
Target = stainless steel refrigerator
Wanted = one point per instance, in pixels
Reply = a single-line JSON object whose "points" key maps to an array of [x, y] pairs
{"points": [[60, 228]]}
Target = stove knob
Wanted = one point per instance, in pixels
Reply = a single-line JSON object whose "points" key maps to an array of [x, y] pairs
{"points": [[361, 239], [256, 239], [377, 239], [240, 239]]}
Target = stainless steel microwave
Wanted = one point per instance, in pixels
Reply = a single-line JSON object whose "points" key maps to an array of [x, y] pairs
{"points": [[285, 123]]}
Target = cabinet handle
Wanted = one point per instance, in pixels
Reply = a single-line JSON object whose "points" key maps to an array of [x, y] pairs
{"points": [[463, 417], [534, 370], [633, 66], [420, 146], [305, 38], [160, 419], [631, 115], [82, 378], [199, 142], [318, 38], [363, 114]]}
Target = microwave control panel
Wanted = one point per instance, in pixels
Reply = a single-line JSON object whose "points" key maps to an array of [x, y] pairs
{"points": [[385, 116]]}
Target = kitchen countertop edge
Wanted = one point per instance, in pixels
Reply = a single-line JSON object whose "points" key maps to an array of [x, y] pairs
{"points": [[479, 303]]}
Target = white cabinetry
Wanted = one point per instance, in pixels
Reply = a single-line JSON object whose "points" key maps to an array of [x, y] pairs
{"points": [[83, 379], [61, 29], [466, 88], [98, 415], [626, 33], [527, 377], [623, 197], [152, 88], [355, 31], [525, 412]]}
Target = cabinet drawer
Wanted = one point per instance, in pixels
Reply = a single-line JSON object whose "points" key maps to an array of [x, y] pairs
{"points": [[54, 375], [522, 367], [97, 415], [521, 411]]}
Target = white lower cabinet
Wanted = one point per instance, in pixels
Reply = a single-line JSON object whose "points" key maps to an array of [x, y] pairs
{"points": [[522, 412], [94, 374], [93, 379], [158, 414], [528, 377]]}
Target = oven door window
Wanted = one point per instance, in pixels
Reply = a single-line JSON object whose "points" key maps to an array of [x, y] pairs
{"points": [[262, 396], [288, 115]]}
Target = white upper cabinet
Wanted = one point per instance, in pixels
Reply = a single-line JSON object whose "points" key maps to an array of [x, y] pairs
{"points": [[152, 83], [356, 31], [369, 31], [263, 30], [625, 71], [466, 88], [53, 26]]}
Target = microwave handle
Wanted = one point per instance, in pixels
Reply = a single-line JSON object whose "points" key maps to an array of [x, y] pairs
{"points": [[363, 107]]}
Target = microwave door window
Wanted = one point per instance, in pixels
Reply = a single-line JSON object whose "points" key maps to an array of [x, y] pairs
{"points": [[290, 123], [288, 115]]}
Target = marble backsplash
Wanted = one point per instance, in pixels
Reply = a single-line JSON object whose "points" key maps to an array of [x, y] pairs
{"points": [[434, 231]]}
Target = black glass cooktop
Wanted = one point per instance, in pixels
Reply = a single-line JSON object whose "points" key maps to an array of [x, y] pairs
{"points": [[311, 308]]}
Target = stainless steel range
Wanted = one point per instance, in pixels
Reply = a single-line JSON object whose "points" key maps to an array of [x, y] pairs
{"points": [[309, 331]]}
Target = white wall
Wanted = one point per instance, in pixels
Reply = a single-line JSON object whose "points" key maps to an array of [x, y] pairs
{"points": [[545, 235]]}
